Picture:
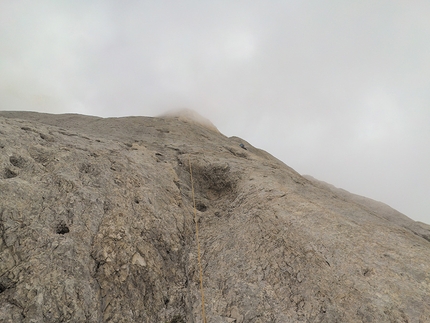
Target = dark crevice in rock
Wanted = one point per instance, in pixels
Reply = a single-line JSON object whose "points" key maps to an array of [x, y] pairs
{"points": [[28, 129], [178, 185], [177, 319], [237, 153], [17, 161], [98, 265], [421, 233], [62, 228], [8, 173], [65, 133], [46, 137], [6, 283]]}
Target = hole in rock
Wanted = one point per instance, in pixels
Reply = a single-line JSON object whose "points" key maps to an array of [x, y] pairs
{"points": [[9, 173], [136, 200], [62, 228], [2, 288], [201, 207]]}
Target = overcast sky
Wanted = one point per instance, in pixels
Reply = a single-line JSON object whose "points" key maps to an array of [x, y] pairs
{"points": [[339, 90]]}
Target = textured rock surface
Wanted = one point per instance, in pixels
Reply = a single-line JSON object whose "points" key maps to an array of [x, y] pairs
{"points": [[96, 225], [381, 209]]}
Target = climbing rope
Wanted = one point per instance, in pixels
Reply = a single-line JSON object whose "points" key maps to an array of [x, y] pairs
{"points": [[198, 244]]}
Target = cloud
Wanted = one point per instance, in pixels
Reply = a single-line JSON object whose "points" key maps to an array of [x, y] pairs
{"points": [[336, 89]]}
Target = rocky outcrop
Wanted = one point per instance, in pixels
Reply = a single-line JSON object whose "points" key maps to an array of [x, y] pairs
{"points": [[96, 224]]}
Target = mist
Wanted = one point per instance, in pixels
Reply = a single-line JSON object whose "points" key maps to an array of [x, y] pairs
{"points": [[339, 90]]}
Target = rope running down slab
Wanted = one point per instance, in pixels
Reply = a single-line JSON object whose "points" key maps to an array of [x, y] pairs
{"points": [[198, 243]]}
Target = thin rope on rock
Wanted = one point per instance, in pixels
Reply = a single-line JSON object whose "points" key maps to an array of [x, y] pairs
{"points": [[198, 243]]}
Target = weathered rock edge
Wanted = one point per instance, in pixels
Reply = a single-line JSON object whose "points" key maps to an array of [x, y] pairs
{"points": [[96, 226]]}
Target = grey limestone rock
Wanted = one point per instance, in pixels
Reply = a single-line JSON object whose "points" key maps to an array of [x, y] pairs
{"points": [[96, 225]]}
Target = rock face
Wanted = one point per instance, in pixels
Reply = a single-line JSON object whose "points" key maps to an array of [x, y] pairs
{"points": [[96, 225]]}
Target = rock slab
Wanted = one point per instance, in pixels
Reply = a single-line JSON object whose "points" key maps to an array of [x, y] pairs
{"points": [[96, 225]]}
